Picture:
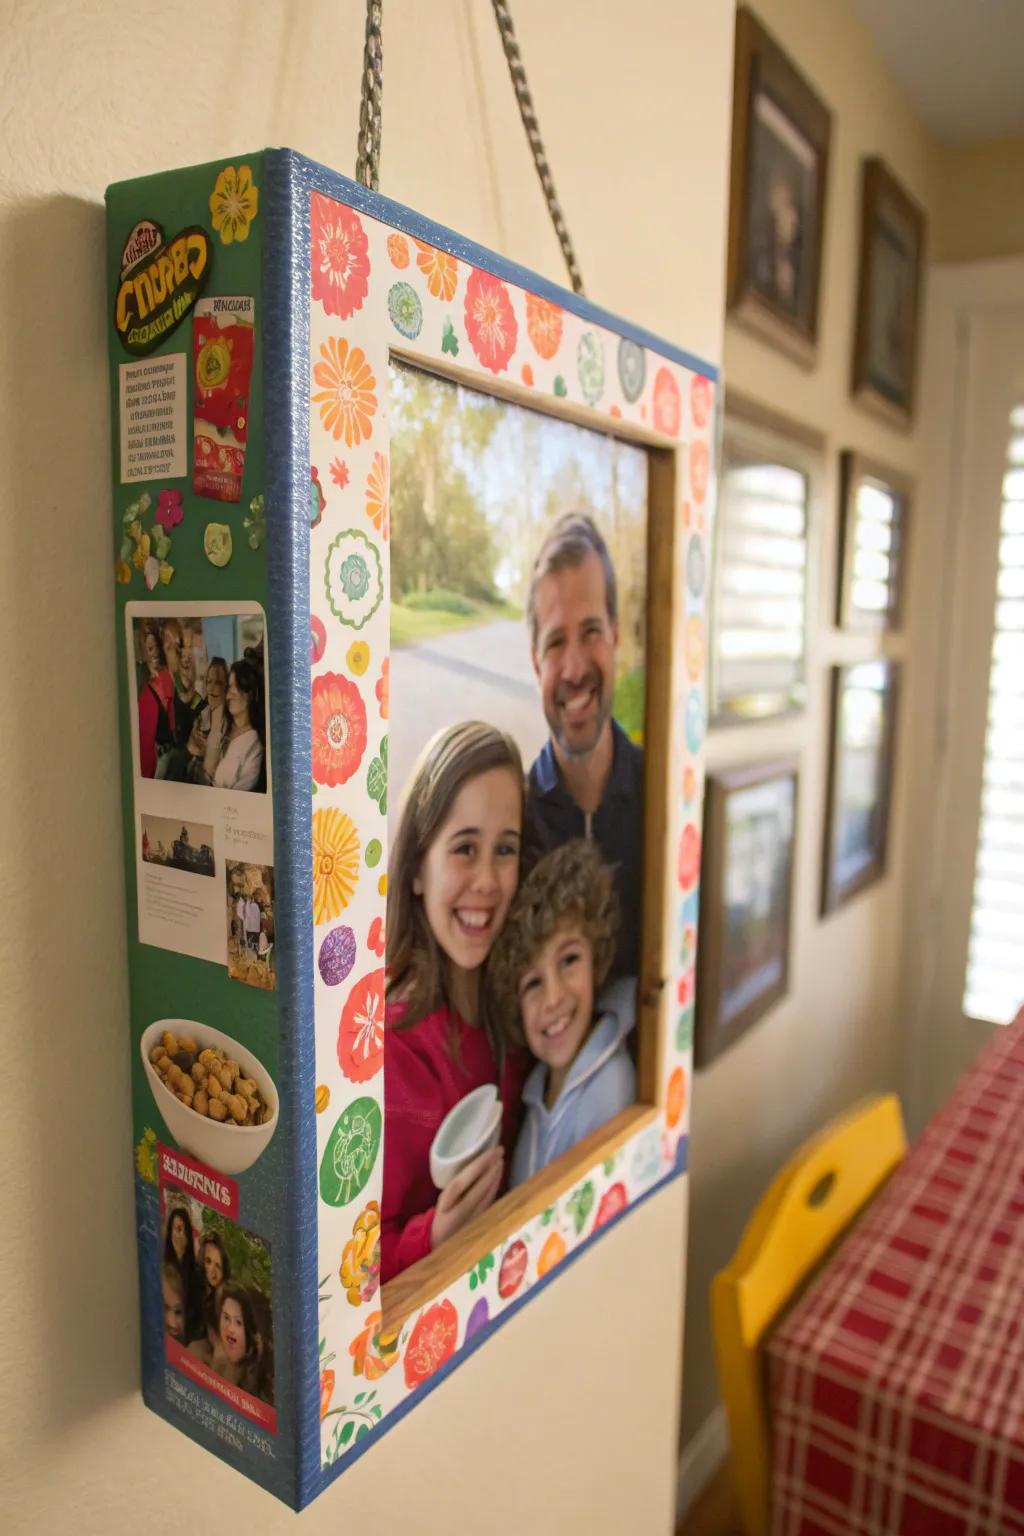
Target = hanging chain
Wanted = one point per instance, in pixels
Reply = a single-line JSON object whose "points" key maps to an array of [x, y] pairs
{"points": [[368, 144], [529, 117]]}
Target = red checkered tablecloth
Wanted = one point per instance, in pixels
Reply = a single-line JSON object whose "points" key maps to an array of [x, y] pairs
{"points": [[897, 1381]]}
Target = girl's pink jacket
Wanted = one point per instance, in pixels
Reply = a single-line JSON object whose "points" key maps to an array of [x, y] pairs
{"points": [[428, 1068]]}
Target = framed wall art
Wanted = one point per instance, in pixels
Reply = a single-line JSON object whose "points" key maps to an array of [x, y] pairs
{"points": [[892, 239], [762, 573], [743, 965], [779, 180], [874, 509], [394, 521], [864, 699]]}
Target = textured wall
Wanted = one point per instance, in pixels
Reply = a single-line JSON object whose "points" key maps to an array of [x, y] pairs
{"points": [[567, 1421]]}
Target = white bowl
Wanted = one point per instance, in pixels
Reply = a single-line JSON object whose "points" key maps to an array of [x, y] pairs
{"points": [[472, 1126], [227, 1148]]}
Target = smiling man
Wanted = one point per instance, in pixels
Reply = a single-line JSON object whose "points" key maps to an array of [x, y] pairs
{"points": [[588, 778]]}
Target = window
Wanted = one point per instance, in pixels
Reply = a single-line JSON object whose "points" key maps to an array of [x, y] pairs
{"points": [[994, 984]]}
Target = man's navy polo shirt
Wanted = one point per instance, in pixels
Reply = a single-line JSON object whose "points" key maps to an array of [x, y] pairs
{"points": [[617, 826]]}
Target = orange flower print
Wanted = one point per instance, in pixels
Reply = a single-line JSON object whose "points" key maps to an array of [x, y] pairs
{"points": [[431, 1343], [440, 270], [668, 406], [383, 688], [335, 862], [544, 325], [339, 473], [398, 251], [339, 729], [347, 400], [361, 1029], [339, 261], [377, 495], [373, 1351], [490, 320], [699, 469]]}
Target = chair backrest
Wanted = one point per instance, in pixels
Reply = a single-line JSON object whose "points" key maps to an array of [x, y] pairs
{"points": [[804, 1210]]}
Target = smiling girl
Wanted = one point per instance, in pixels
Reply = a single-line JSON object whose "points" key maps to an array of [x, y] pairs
{"points": [[453, 874]]}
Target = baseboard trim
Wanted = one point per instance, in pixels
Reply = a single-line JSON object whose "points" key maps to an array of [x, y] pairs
{"points": [[701, 1457]]}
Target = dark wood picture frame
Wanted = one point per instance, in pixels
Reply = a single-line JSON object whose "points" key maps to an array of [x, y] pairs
{"points": [[855, 471], [774, 280], [837, 886], [892, 240], [715, 1030]]}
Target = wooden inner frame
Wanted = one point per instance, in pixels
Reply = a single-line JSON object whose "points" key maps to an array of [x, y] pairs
{"points": [[835, 893], [854, 470], [760, 64], [416, 1286], [711, 1037], [881, 193]]}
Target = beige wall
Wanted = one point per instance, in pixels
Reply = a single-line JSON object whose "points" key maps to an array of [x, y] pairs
{"points": [[980, 214], [836, 1035], [567, 1421]]}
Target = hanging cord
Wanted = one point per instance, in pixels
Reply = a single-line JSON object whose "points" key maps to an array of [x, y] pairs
{"points": [[368, 143], [529, 117]]}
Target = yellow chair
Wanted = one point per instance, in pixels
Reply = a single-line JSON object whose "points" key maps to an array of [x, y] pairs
{"points": [[805, 1209]]}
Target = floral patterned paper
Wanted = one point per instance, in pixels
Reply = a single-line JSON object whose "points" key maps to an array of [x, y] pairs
{"points": [[373, 286]]}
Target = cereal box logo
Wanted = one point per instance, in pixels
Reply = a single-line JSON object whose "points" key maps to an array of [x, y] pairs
{"points": [[159, 285], [145, 237]]}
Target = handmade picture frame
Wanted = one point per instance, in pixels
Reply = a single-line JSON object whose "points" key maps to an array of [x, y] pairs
{"points": [[885, 345], [763, 564], [259, 306], [781, 131], [874, 513], [864, 699], [746, 914]]}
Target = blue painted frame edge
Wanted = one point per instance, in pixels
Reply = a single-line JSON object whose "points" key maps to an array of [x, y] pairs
{"points": [[286, 287], [320, 178]]}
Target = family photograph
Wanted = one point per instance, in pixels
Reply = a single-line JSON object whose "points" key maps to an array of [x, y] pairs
{"points": [[515, 871], [201, 695]]}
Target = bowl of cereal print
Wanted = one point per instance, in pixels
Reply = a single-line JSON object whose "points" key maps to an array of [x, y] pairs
{"points": [[217, 1101]]}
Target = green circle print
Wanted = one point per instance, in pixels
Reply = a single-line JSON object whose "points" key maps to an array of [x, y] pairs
{"points": [[351, 1152]]}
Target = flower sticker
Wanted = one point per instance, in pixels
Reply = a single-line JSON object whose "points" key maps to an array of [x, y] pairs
{"points": [[613, 1201], [317, 499], [440, 270], [431, 1342], [700, 400], [339, 473], [675, 1098], [377, 778], [361, 1029], [357, 657], [590, 367], [552, 1253], [347, 397], [353, 578], [699, 469], [339, 729], [337, 956], [398, 251], [217, 543], [375, 939], [544, 324], [405, 310], [490, 320], [688, 866], [169, 510], [351, 1152], [632, 362], [667, 403], [359, 1271], [234, 203], [377, 494], [335, 863], [449, 340], [383, 687], [339, 260], [513, 1269]]}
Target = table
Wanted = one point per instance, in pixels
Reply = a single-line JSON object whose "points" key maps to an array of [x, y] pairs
{"points": [[896, 1383]]}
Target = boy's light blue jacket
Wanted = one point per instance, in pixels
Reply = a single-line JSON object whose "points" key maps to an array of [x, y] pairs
{"points": [[601, 1082]]}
